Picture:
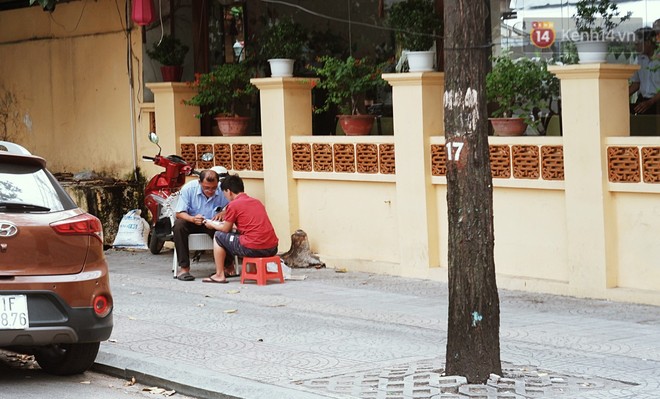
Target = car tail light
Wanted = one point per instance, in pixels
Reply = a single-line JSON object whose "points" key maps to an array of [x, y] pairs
{"points": [[101, 306], [84, 224]]}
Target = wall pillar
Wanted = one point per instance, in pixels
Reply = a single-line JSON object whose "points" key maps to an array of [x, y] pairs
{"points": [[594, 106], [173, 118], [418, 114], [286, 110]]}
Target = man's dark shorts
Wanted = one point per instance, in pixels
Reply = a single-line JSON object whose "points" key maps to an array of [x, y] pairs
{"points": [[230, 242]]}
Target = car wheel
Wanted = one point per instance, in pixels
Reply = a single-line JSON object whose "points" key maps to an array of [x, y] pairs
{"points": [[155, 243], [67, 359]]}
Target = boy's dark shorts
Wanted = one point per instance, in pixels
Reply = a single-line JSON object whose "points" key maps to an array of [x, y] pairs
{"points": [[231, 243]]}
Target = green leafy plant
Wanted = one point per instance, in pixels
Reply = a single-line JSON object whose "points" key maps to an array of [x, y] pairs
{"points": [[416, 23], [222, 90], [170, 51], [283, 39], [327, 42], [347, 81], [567, 56], [596, 19], [47, 5], [522, 88]]}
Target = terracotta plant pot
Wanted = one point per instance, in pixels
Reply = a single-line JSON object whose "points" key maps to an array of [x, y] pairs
{"points": [[232, 125], [508, 126], [356, 125], [171, 73]]}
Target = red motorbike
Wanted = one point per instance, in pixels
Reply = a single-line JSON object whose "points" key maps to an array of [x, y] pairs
{"points": [[160, 195]]}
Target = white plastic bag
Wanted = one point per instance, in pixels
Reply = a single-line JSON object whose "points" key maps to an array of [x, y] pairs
{"points": [[133, 230], [271, 267], [286, 271]]}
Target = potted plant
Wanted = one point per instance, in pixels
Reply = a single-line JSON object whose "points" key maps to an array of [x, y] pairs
{"points": [[416, 25], [282, 43], [594, 21], [347, 83], [220, 93], [523, 90], [171, 54]]}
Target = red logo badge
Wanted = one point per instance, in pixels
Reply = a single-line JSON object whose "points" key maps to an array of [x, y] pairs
{"points": [[542, 34]]}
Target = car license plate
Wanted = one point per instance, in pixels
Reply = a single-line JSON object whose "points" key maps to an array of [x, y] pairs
{"points": [[13, 312]]}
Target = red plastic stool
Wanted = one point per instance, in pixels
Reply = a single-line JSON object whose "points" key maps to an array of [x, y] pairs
{"points": [[260, 272]]}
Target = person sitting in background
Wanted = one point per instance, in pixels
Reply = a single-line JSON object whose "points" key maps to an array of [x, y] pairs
{"points": [[254, 236], [646, 81], [198, 201]]}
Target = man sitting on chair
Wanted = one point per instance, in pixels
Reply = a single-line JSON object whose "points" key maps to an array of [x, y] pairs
{"points": [[198, 201], [646, 80], [255, 236]]}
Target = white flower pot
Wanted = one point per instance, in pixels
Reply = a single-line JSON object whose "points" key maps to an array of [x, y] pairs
{"points": [[281, 67], [421, 61], [592, 51]]}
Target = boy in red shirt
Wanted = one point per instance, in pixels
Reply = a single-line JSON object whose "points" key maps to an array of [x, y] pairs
{"points": [[254, 236]]}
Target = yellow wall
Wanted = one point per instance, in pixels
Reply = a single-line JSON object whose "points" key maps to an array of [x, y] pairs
{"points": [[638, 229], [530, 233], [579, 234], [583, 235], [68, 72], [339, 219]]}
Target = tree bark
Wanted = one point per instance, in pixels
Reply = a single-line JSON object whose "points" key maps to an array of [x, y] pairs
{"points": [[473, 348], [300, 255]]}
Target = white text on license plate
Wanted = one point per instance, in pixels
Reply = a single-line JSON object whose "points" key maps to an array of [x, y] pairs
{"points": [[13, 312]]}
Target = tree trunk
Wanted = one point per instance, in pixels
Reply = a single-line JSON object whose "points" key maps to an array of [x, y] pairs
{"points": [[300, 255], [473, 347]]}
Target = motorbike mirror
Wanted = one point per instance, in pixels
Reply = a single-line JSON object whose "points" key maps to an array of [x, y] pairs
{"points": [[153, 137], [207, 156]]}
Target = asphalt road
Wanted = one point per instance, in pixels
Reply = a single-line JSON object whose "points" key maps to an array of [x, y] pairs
{"points": [[21, 378]]}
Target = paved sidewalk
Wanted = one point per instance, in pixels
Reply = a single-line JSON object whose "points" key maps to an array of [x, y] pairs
{"points": [[359, 335]]}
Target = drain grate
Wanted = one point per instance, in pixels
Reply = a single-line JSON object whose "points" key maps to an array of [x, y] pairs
{"points": [[424, 380]]}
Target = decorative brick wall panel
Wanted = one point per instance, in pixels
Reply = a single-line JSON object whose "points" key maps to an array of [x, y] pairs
{"points": [[500, 161], [552, 162], [201, 150], [367, 158], [257, 157], [241, 156], [301, 157], [188, 154], [623, 164], [439, 160], [386, 154], [525, 160], [322, 155], [344, 156], [222, 154], [651, 164]]}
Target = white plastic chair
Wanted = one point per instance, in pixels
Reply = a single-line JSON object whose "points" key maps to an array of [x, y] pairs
{"points": [[196, 242], [200, 242]]}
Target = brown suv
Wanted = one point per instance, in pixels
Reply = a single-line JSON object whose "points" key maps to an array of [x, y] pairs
{"points": [[55, 299]]}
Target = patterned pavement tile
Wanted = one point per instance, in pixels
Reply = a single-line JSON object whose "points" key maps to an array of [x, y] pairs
{"points": [[360, 335]]}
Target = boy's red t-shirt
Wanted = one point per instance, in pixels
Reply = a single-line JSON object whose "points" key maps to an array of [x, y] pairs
{"points": [[251, 220]]}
